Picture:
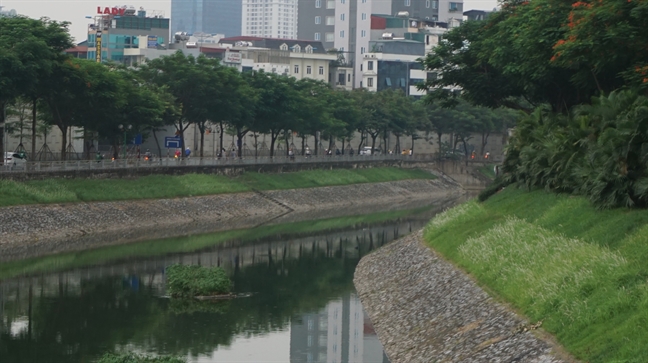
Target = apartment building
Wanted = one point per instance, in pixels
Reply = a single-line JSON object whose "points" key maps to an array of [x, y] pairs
{"points": [[269, 18], [207, 16]]}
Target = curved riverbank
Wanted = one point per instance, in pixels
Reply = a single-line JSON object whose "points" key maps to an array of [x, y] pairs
{"points": [[424, 309], [35, 230]]}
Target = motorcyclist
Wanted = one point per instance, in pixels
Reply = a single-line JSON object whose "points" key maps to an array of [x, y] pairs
{"points": [[148, 155]]}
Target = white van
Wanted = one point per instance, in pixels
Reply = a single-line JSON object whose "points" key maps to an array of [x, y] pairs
{"points": [[12, 160], [367, 151]]}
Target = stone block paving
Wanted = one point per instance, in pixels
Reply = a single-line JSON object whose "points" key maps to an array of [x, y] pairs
{"points": [[424, 309]]}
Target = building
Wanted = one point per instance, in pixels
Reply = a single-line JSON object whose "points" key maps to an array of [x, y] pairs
{"points": [[477, 14], [346, 25], [393, 64], [11, 12], [294, 58], [117, 29], [207, 16], [270, 18]]}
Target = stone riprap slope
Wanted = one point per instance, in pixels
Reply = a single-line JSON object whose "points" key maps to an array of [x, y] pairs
{"points": [[426, 310], [34, 230]]}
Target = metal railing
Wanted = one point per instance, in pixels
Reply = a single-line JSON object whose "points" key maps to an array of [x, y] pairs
{"points": [[44, 166]]}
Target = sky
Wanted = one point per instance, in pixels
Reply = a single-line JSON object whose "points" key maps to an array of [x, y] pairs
{"points": [[75, 11]]}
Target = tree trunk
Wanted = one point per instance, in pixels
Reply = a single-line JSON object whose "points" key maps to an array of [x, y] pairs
{"points": [[362, 140], [33, 135], [202, 141], [373, 142], [182, 143], [63, 141], [330, 146], [412, 148], [2, 127], [303, 145], [287, 144], [484, 142], [343, 142], [397, 149], [220, 144], [115, 149], [157, 143], [439, 134], [272, 142], [316, 144]]}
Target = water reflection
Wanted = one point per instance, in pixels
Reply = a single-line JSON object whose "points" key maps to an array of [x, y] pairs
{"points": [[303, 309]]}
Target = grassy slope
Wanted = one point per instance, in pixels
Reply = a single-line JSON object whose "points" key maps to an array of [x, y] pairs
{"points": [[580, 270], [165, 186]]}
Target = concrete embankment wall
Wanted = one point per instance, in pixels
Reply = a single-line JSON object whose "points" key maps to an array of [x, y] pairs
{"points": [[34, 230], [426, 310], [461, 171]]}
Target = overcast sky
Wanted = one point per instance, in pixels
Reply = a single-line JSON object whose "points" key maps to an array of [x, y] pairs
{"points": [[75, 11]]}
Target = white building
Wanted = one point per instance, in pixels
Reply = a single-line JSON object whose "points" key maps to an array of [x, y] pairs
{"points": [[269, 18]]}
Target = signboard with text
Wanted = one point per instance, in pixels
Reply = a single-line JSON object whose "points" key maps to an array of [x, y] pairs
{"points": [[98, 47], [231, 57], [172, 142], [111, 11], [152, 41]]}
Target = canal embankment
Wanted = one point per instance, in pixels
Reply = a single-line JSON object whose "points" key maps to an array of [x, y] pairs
{"points": [[36, 230], [554, 267]]}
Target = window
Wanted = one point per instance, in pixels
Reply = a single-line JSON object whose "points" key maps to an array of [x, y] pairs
{"points": [[317, 36], [321, 69], [369, 82], [309, 49], [330, 20], [402, 82], [427, 3], [408, 2], [309, 70], [362, 50], [342, 16], [341, 35], [318, 20], [370, 66], [363, 33], [318, 3], [349, 75], [296, 68], [364, 16], [435, 4], [454, 6], [342, 1], [330, 37], [360, 67], [297, 48], [330, 4], [388, 81], [284, 46]]}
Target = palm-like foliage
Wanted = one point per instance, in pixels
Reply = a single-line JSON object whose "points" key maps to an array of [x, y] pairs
{"points": [[600, 151]]}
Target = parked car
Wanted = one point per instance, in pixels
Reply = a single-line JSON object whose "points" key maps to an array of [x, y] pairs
{"points": [[12, 159], [367, 151]]}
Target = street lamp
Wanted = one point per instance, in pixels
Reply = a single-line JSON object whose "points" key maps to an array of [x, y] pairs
{"points": [[125, 129]]}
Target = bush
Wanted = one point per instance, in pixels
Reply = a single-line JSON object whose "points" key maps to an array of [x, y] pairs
{"points": [[190, 281], [493, 188], [135, 358]]}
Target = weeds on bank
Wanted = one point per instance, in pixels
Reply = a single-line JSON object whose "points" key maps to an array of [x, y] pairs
{"points": [[556, 258], [167, 186], [137, 358]]}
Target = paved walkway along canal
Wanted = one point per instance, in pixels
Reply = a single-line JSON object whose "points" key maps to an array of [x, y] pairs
{"points": [[426, 310]]}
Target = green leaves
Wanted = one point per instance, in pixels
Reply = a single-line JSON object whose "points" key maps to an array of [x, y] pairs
{"points": [[190, 281]]}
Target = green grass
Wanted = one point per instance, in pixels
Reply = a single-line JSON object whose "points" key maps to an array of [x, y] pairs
{"points": [[138, 358], [580, 270], [167, 186], [488, 171], [188, 281]]}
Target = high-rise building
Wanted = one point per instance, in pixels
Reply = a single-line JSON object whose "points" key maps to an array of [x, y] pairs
{"points": [[346, 24], [270, 18], [206, 16]]}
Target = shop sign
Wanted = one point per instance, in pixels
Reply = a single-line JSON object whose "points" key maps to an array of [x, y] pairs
{"points": [[98, 48], [231, 57], [111, 11]]}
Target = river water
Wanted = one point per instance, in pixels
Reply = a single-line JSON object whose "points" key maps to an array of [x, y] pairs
{"points": [[302, 305]]}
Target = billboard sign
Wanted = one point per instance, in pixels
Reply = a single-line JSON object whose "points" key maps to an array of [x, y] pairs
{"points": [[232, 57], [152, 41], [111, 11], [98, 47]]}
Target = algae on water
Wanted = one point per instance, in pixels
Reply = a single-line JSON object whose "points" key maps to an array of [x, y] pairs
{"points": [[190, 281]]}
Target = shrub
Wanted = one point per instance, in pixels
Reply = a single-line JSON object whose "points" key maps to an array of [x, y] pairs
{"points": [[493, 188], [135, 358], [191, 281]]}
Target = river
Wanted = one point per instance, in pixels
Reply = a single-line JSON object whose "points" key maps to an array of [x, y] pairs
{"points": [[301, 307]]}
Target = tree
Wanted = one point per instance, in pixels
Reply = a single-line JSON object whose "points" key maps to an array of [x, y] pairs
{"points": [[188, 79]]}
